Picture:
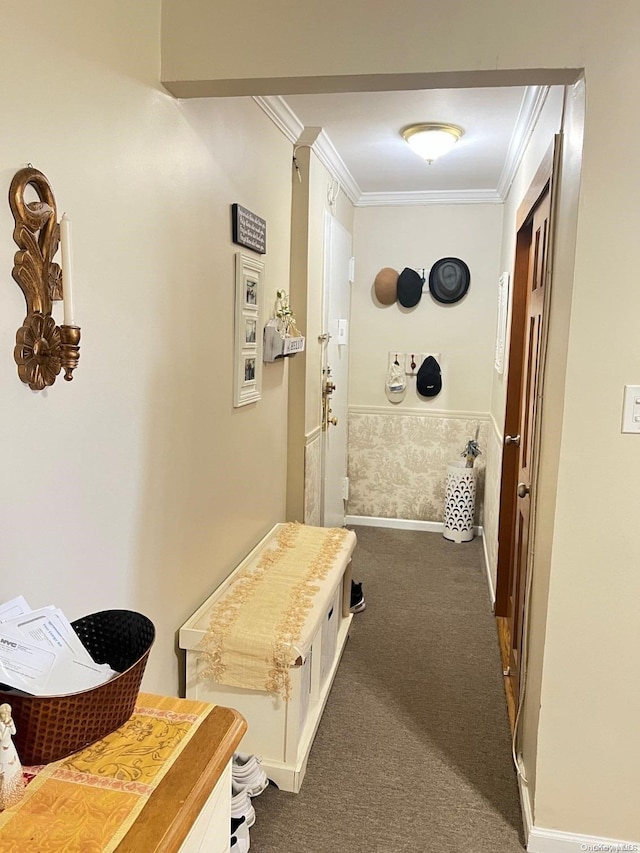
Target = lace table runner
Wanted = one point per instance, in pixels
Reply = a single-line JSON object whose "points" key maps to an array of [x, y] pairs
{"points": [[256, 629]]}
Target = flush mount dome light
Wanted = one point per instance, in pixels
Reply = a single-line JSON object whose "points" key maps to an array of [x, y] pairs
{"points": [[432, 140]]}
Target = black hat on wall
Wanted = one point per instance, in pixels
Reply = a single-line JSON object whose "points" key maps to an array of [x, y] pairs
{"points": [[429, 378], [449, 280], [409, 288]]}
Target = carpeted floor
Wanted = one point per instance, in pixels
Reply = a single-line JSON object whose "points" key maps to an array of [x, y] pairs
{"points": [[413, 751]]}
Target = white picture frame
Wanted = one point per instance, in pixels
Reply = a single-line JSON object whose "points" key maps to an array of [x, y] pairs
{"points": [[247, 362], [503, 314]]}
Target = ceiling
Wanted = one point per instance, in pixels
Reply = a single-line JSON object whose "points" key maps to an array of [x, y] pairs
{"points": [[361, 144]]}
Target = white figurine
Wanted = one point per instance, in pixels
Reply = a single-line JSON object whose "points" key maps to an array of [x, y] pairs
{"points": [[11, 779]]}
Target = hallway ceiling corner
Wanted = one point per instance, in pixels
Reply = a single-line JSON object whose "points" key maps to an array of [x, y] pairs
{"points": [[361, 146]]}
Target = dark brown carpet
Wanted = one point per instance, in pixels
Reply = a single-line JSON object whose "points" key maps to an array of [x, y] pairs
{"points": [[413, 751]]}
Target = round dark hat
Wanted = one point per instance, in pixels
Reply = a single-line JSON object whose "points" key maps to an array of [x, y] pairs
{"points": [[429, 378], [449, 280], [385, 286], [409, 288]]}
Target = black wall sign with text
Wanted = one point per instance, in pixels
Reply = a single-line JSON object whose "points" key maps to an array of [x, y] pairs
{"points": [[248, 229]]}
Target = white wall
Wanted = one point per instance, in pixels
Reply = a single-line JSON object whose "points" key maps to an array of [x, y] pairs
{"points": [[137, 485]]}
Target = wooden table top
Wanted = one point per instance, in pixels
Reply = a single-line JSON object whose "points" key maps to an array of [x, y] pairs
{"points": [[138, 789], [171, 810]]}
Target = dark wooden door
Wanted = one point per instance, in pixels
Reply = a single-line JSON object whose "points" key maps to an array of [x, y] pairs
{"points": [[537, 231]]}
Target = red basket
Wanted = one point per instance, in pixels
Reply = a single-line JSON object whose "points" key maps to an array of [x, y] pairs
{"points": [[52, 727]]}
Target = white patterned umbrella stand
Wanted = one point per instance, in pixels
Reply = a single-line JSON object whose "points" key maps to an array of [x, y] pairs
{"points": [[459, 502]]}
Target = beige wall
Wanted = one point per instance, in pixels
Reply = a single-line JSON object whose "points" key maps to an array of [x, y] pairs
{"points": [[463, 333], [137, 485], [342, 47], [588, 751], [397, 466]]}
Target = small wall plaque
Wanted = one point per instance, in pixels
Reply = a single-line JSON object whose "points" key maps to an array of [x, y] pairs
{"points": [[248, 229]]}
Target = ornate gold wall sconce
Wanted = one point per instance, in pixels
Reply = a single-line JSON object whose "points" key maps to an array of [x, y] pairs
{"points": [[42, 348]]}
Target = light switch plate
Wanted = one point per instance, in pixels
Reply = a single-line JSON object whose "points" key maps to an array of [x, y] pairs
{"points": [[342, 337], [631, 409]]}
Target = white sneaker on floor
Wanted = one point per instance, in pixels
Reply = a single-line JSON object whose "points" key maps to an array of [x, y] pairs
{"points": [[248, 774], [240, 839], [241, 805], [239, 845]]}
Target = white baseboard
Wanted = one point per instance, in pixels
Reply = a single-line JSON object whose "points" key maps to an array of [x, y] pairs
{"points": [[401, 524], [541, 840], [553, 841], [526, 807], [492, 591]]}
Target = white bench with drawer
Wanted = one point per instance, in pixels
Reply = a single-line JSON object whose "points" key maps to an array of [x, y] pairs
{"points": [[281, 732]]}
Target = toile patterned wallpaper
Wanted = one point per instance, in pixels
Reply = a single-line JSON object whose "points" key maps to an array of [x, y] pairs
{"points": [[398, 463], [312, 482]]}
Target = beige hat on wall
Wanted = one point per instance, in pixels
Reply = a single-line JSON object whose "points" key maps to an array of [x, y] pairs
{"points": [[385, 286]]}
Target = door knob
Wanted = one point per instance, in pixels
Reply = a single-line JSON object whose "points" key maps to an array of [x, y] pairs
{"points": [[333, 420], [523, 490], [329, 387], [512, 439]]}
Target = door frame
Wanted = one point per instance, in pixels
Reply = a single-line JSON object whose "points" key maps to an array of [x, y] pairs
{"points": [[331, 358], [515, 373]]}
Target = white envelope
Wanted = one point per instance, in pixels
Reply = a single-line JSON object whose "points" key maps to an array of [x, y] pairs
{"points": [[71, 676], [23, 665], [16, 607], [40, 653], [49, 628]]}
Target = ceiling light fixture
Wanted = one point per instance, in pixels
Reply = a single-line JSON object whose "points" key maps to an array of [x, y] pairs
{"points": [[431, 140]]}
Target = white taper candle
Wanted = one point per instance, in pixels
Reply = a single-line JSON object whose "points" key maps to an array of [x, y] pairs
{"points": [[67, 274]]}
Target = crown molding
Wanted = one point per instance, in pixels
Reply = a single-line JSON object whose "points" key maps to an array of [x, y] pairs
{"points": [[277, 109], [335, 165], [286, 120], [281, 115], [429, 197], [533, 101]]}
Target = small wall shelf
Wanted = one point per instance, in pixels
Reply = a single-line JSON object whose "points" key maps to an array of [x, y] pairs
{"points": [[277, 345]]}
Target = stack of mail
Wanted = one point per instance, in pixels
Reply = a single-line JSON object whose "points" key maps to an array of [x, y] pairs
{"points": [[41, 654]]}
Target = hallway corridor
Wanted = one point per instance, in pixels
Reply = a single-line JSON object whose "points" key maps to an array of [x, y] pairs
{"points": [[413, 752]]}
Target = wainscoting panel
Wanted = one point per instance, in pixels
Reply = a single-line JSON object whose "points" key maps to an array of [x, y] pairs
{"points": [[493, 473], [313, 478], [398, 461]]}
